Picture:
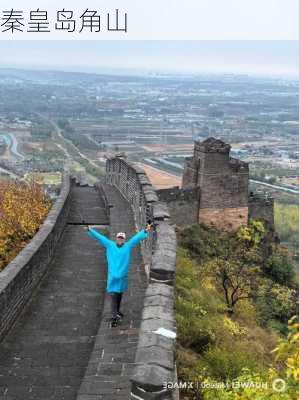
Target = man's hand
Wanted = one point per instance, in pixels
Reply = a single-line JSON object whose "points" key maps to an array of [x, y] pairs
{"points": [[149, 227], [87, 227]]}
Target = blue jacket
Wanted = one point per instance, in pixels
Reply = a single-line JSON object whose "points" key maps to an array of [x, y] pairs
{"points": [[118, 259]]}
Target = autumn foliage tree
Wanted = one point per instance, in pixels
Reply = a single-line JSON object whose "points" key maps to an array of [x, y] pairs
{"points": [[240, 273], [238, 269], [237, 264], [23, 207]]}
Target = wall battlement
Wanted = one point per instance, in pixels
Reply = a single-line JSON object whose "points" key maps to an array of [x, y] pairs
{"points": [[261, 207], [182, 204]]}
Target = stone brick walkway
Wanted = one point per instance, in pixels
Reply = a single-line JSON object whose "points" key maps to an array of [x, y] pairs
{"points": [[87, 205], [112, 362], [46, 353]]}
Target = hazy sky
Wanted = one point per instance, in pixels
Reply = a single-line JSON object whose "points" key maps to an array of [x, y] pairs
{"points": [[256, 57]]}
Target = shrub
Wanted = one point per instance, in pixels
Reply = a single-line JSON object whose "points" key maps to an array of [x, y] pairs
{"points": [[227, 362], [23, 208], [280, 268], [263, 384], [278, 302]]}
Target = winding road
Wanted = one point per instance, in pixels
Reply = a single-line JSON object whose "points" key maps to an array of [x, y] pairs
{"points": [[12, 144], [10, 173], [67, 141], [282, 188]]}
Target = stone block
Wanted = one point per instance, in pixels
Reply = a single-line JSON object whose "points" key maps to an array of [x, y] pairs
{"points": [[160, 289], [152, 378], [161, 312], [158, 300], [151, 325], [147, 339], [160, 211], [156, 356]]}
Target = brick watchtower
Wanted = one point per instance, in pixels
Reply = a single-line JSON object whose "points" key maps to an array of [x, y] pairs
{"points": [[223, 183]]}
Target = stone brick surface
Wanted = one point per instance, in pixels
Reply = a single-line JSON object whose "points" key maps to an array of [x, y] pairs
{"points": [[224, 218], [182, 204], [262, 208], [152, 378], [45, 354], [215, 191], [222, 182], [113, 357], [154, 360]]}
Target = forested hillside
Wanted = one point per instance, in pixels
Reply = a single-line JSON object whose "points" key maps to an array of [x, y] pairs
{"points": [[235, 297]]}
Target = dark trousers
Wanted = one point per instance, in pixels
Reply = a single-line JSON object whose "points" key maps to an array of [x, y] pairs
{"points": [[115, 303]]}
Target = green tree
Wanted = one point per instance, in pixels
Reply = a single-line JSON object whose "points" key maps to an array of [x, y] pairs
{"points": [[237, 270], [280, 267]]}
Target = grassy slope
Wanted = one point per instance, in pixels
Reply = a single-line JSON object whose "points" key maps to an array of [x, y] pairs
{"points": [[210, 343]]}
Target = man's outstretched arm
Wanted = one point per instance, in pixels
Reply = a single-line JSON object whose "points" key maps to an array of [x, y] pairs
{"points": [[141, 235], [98, 236]]}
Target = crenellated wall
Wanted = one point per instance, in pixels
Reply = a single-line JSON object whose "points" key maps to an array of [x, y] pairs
{"points": [[261, 207], [155, 361], [19, 279], [183, 204]]}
